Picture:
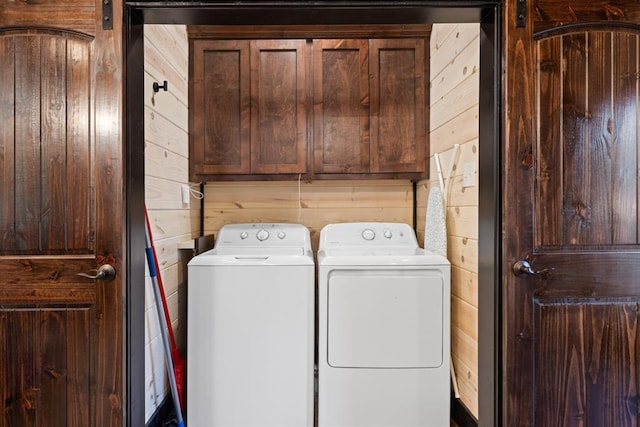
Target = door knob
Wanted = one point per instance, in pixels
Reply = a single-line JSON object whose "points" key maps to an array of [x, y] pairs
{"points": [[523, 268], [105, 272]]}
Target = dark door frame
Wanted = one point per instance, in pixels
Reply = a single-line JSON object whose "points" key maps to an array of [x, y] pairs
{"points": [[254, 12]]}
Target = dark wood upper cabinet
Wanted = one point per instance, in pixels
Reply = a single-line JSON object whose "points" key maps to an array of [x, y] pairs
{"points": [[278, 107], [248, 108], [398, 116], [341, 106], [323, 107], [219, 108]]}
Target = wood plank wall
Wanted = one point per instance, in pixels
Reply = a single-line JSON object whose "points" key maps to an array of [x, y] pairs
{"points": [[455, 50], [166, 169], [313, 204]]}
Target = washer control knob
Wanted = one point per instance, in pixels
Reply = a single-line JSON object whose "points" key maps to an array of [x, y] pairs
{"points": [[368, 234], [244, 235], [388, 234], [262, 235], [282, 235]]}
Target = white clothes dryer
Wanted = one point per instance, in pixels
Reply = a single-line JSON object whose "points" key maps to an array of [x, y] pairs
{"points": [[383, 343], [250, 339]]}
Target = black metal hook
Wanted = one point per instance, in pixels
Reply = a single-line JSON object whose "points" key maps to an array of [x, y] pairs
{"points": [[157, 86]]}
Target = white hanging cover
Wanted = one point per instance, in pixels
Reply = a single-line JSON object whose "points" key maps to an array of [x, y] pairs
{"points": [[435, 229]]}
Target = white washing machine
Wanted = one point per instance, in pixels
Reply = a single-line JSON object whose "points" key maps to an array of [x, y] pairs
{"points": [[383, 344], [250, 339]]}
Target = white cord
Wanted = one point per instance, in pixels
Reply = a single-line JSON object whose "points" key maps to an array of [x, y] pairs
{"points": [[299, 198], [196, 193], [439, 171], [447, 186]]}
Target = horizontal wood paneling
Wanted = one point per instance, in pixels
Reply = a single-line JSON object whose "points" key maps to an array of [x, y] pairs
{"points": [[462, 128], [164, 133], [166, 170], [447, 44], [164, 58], [463, 252], [314, 204], [463, 61], [456, 101], [464, 285], [454, 120]]}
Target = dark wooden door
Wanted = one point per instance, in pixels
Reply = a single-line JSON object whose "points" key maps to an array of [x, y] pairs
{"points": [[572, 319], [61, 186]]}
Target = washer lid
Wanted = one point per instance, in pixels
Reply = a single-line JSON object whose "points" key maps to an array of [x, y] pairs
{"points": [[253, 257], [259, 244]]}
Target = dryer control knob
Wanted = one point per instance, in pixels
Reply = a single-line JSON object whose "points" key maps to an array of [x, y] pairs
{"points": [[282, 235], [244, 235], [368, 234], [262, 235], [388, 234]]}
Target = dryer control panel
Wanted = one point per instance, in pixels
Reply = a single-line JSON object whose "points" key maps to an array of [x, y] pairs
{"points": [[379, 234]]}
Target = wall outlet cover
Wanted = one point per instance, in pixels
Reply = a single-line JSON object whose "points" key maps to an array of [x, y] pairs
{"points": [[469, 174], [186, 192]]}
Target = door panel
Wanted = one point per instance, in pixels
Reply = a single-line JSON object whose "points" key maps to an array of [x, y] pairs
{"points": [[571, 327], [586, 188], [591, 376], [49, 360], [50, 144], [61, 177]]}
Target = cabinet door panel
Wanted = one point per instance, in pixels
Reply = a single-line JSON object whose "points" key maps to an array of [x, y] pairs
{"points": [[279, 106], [221, 107], [398, 134], [341, 106]]}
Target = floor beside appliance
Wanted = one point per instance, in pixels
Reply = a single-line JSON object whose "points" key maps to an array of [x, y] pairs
{"points": [[166, 417]]}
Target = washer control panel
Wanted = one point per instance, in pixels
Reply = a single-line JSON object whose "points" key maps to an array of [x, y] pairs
{"points": [[263, 234]]}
